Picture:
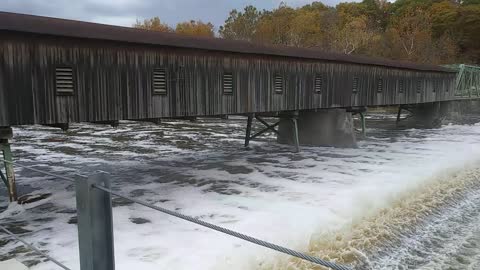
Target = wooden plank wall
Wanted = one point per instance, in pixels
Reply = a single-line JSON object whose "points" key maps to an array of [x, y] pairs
{"points": [[113, 81]]}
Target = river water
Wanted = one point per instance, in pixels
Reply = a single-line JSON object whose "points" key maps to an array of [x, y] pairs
{"points": [[404, 199]]}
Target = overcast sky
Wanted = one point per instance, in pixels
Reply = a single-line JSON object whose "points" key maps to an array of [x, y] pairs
{"points": [[126, 12]]}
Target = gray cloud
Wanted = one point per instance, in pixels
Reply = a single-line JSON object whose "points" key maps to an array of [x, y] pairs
{"points": [[126, 12]]}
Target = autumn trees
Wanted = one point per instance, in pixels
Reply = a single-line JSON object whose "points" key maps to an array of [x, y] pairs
{"points": [[153, 24], [195, 28], [241, 25], [426, 31]]}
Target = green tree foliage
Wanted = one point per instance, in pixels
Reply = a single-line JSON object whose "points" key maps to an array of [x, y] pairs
{"points": [[241, 25], [444, 16], [468, 27], [275, 27], [470, 2]]}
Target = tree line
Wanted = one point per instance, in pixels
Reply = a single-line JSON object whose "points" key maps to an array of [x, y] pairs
{"points": [[424, 31]]}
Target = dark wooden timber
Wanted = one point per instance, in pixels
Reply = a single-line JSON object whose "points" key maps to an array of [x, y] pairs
{"points": [[6, 134], [113, 75], [268, 128], [249, 129], [112, 123], [62, 126]]}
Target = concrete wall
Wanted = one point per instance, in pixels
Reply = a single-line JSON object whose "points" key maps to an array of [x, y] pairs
{"points": [[331, 127]]}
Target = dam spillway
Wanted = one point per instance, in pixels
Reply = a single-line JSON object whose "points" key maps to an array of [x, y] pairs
{"points": [[403, 198]]}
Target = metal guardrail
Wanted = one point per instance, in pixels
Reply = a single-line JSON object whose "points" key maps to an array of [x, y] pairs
{"points": [[30, 246], [467, 83], [95, 224]]}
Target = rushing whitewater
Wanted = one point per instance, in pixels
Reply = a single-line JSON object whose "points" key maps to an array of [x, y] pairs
{"points": [[405, 199]]}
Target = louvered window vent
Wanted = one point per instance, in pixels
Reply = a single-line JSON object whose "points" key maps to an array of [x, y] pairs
{"points": [[278, 84], [227, 83], [64, 81], [380, 85], [159, 81], [355, 85], [318, 84]]}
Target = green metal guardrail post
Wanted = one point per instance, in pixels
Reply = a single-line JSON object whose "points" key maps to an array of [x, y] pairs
{"points": [[95, 224], [364, 125]]}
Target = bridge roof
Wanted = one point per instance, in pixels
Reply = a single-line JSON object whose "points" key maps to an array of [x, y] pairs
{"points": [[78, 29]]}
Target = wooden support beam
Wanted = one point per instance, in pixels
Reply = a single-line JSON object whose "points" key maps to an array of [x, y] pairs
{"points": [[356, 110], [6, 133], [4, 179], [6, 154], [112, 123], [156, 121], [399, 113], [295, 134], [269, 127], [364, 125], [62, 126], [187, 118], [249, 129]]}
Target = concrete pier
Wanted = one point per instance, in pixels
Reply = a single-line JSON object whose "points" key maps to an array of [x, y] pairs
{"points": [[434, 114], [331, 127], [428, 115]]}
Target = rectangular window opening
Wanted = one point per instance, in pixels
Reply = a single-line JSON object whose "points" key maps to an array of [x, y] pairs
{"points": [[160, 81], [355, 85], [227, 83], [64, 81], [318, 84], [278, 84]]}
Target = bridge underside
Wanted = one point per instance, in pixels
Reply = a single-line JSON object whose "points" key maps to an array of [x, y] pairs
{"points": [[335, 127], [326, 127]]}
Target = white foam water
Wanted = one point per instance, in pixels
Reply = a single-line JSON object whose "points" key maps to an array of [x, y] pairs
{"points": [[375, 207]]}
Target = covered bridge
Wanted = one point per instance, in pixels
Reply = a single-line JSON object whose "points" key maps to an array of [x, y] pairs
{"points": [[59, 71]]}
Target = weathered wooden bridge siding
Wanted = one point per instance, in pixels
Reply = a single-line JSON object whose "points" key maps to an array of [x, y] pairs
{"points": [[113, 81]]}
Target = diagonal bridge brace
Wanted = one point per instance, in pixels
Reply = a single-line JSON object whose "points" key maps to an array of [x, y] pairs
{"points": [[267, 128], [4, 179]]}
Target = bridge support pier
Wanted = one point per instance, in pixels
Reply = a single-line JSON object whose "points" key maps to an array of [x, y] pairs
{"points": [[268, 128], [331, 127], [9, 177], [361, 113], [424, 115]]}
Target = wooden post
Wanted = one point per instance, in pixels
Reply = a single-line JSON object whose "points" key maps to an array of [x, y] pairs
{"points": [[249, 129], [399, 114], [5, 135], [295, 135], [364, 125]]}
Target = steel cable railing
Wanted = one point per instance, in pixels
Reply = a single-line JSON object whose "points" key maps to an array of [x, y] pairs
{"points": [[39, 171], [230, 232], [197, 221], [30, 246]]}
